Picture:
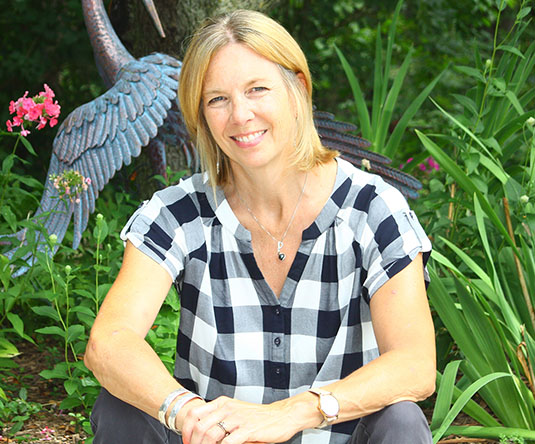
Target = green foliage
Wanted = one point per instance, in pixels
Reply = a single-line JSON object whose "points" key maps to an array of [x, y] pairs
{"points": [[482, 274], [376, 128], [14, 413], [58, 297]]}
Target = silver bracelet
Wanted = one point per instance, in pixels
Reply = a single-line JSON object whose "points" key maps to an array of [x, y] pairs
{"points": [[165, 405], [176, 408]]}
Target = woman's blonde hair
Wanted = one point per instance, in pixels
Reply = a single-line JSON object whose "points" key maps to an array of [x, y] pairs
{"points": [[269, 39]]}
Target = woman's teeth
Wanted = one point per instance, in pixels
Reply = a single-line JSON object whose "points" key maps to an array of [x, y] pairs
{"points": [[249, 137]]}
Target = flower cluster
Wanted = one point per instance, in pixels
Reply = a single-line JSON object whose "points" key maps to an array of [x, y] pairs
{"points": [[428, 164], [70, 184], [39, 110], [47, 433]]}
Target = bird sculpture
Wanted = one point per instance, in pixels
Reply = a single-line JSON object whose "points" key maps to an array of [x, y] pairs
{"points": [[141, 109]]}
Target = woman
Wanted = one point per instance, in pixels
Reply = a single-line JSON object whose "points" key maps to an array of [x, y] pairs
{"points": [[303, 304]]}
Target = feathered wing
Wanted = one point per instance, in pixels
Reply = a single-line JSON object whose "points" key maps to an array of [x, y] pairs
{"points": [[336, 135], [101, 136]]}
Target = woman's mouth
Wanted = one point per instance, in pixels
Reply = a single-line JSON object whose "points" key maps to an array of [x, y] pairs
{"points": [[249, 137]]}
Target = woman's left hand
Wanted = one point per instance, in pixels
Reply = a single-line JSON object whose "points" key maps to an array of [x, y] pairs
{"points": [[244, 422]]}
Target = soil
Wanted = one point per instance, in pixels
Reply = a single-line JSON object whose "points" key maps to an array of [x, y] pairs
{"points": [[52, 425], [49, 425]]}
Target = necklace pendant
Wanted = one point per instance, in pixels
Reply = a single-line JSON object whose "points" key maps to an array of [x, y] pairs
{"points": [[282, 256]]}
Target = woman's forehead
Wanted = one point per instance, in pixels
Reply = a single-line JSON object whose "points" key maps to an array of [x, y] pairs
{"points": [[236, 63]]}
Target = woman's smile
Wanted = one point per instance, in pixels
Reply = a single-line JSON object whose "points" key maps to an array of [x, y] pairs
{"points": [[254, 137], [248, 108]]}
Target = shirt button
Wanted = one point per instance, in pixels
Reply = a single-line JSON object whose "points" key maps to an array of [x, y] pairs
{"points": [[277, 341], [278, 371], [277, 311]]}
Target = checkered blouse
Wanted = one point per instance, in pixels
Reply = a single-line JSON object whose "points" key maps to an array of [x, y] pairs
{"points": [[236, 338]]}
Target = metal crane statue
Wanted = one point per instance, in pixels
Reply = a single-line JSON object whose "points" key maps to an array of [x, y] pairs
{"points": [[141, 109]]}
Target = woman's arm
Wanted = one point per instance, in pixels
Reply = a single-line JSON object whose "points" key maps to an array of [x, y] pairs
{"points": [[405, 370], [117, 353]]}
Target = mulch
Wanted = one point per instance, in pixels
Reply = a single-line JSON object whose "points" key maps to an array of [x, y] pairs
{"points": [[52, 425]]}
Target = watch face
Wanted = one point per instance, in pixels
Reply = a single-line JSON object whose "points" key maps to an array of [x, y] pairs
{"points": [[329, 405]]}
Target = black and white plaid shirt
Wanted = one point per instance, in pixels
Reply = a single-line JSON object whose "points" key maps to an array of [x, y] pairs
{"points": [[236, 338]]}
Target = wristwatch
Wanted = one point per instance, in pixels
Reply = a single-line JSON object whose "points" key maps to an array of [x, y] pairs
{"points": [[327, 405]]}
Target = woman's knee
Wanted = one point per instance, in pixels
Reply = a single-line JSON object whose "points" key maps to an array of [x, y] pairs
{"points": [[400, 423], [116, 422]]}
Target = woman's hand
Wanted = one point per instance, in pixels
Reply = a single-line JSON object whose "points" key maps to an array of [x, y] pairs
{"points": [[245, 422]]}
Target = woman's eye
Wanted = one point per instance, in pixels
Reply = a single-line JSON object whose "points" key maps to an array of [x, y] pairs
{"points": [[215, 100], [258, 89]]}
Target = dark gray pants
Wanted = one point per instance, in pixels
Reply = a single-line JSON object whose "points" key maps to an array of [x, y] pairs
{"points": [[116, 422]]}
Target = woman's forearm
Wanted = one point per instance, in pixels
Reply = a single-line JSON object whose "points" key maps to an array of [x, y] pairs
{"points": [[127, 366]]}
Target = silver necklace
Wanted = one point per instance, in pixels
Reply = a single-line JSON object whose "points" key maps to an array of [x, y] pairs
{"points": [[280, 243]]}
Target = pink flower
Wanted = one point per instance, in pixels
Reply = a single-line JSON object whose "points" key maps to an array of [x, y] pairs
{"points": [[37, 110], [88, 180], [433, 164], [422, 166], [47, 92]]}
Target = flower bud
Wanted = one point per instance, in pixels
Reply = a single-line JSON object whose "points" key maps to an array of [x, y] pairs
{"points": [[68, 269], [531, 121], [488, 63], [524, 199], [100, 216], [53, 239]]}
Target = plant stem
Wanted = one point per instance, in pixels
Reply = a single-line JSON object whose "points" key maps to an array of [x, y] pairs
{"points": [[4, 187], [523, 285]]}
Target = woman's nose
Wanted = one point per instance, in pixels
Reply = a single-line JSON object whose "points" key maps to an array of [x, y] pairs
{"points": [[241, 111]]}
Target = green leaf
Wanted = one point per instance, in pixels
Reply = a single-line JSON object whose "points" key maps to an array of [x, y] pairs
{"points": [[70, 403], [60, 371], [511, 49], [496, 433], [358, 96], [74, 332], [53, 330], [444, 394], [463, 399], [84, 310], [523, 13], [17, 323], [71, 385], [9, 217], [48, 311], [28, 146], [7, 349], [471, 72], [7, 164], [514, 101]]}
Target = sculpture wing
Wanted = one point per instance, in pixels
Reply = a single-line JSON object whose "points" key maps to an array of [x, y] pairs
{"points": [[336, 135], [101, 136]]}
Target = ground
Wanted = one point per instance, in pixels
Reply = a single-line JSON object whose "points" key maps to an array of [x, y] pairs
{"points": [[51, 425]]}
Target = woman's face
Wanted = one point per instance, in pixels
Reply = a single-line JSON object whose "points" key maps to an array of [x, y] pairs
{"points": [[248, 109]]}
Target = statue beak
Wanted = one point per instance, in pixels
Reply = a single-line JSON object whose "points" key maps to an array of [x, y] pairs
{"points": [[149, 4]]}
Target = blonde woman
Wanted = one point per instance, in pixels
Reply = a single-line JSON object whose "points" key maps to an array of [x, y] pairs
{"points": [[304, 316]]}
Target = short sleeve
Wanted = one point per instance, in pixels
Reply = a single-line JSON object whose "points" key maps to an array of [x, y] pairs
{"points": [[395, 238], [154, 230]]}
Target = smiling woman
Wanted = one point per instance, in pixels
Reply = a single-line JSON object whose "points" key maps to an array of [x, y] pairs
{"points": [[304, 316]]}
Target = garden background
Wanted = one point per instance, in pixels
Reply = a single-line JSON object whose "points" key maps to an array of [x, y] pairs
{"points": [[444, 88]]}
